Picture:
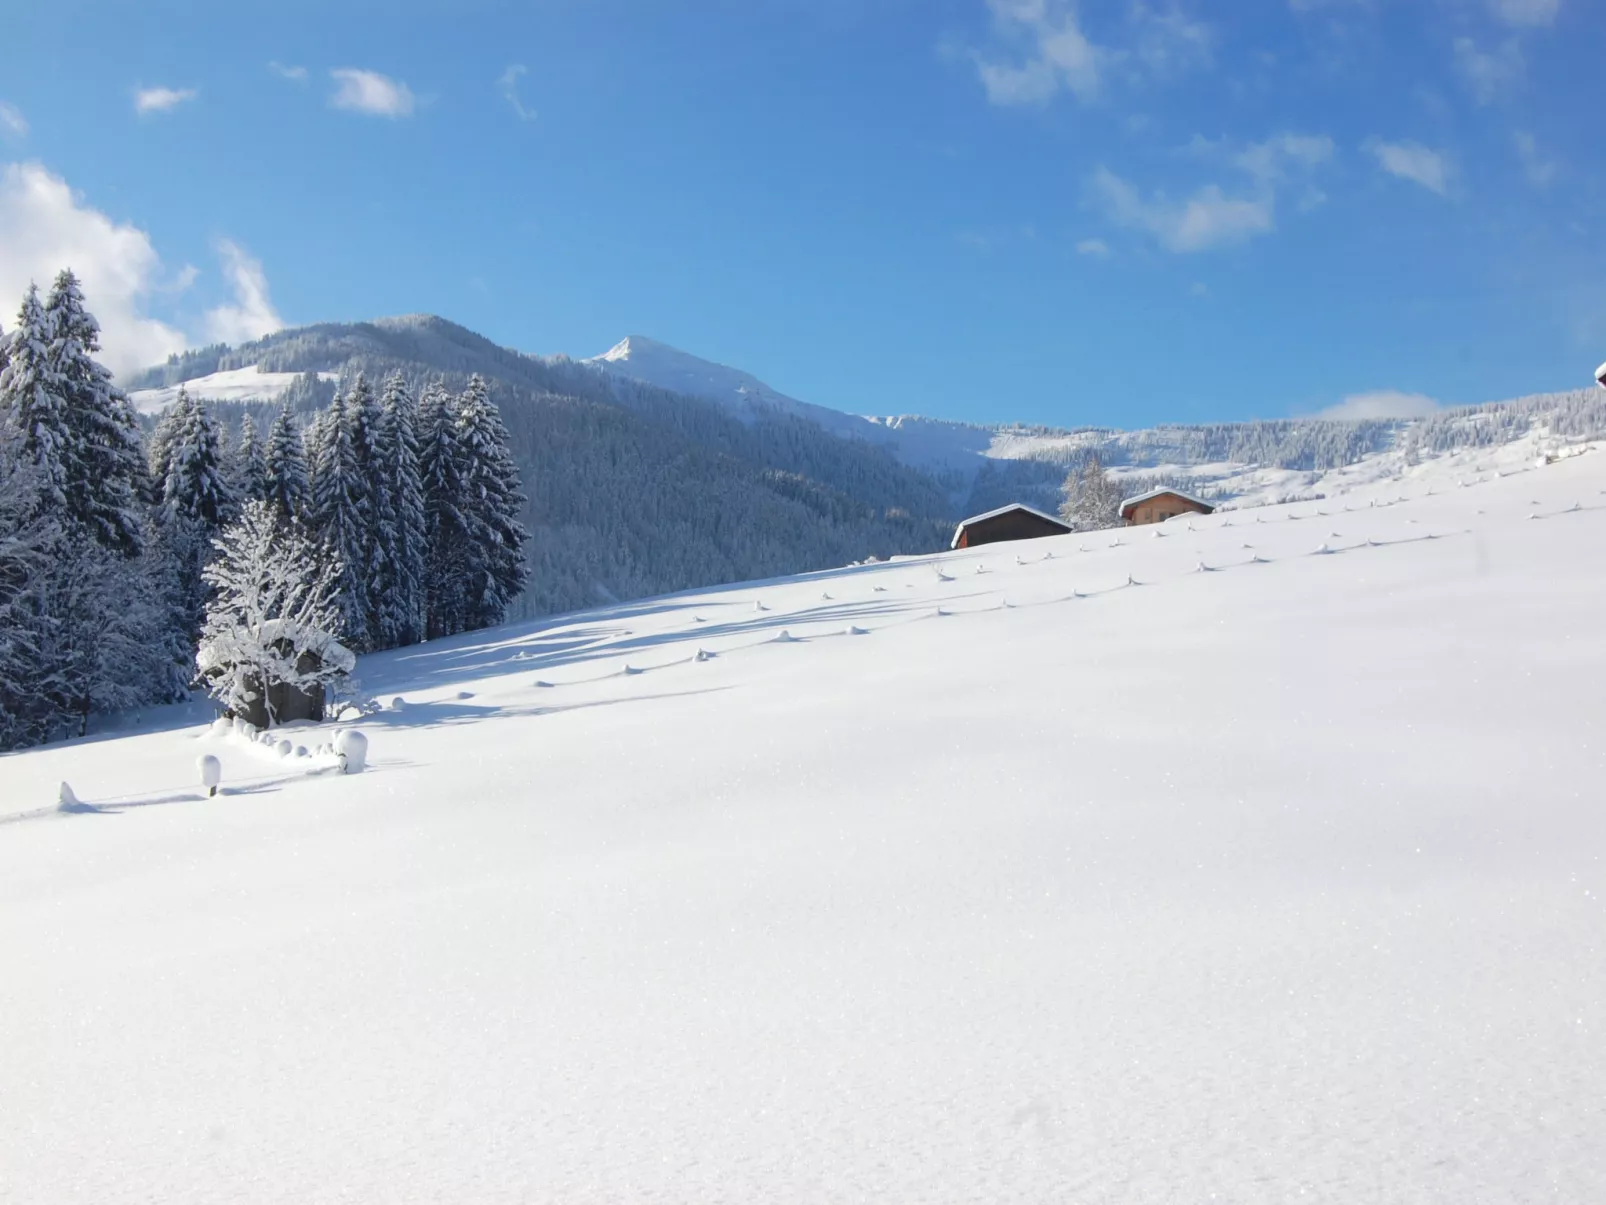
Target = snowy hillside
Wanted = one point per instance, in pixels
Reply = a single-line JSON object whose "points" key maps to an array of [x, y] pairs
{"points": [[249, 384], [1252, 858]]}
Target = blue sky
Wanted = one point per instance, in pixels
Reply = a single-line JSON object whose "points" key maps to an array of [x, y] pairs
{"points": [[1109, 212]]}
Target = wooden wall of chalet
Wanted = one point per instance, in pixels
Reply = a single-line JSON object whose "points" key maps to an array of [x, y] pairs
{"points": [[1011, 525], [1166, 506]]}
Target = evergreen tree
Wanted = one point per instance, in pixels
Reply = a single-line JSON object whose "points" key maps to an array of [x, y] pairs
{"points": [[250, 464], [159, 447], [195, 485], [104, 464], [341, 516], [397, 586], [492, 500], [446, 536], [33, 405], [284, 478], [28, 536]]}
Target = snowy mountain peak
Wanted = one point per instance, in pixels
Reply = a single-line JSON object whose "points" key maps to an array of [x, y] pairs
{"points": [[629, 346]]}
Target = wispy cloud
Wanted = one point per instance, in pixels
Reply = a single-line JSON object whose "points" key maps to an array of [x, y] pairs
{"points": [[1525, 12], [161, 100], [1213, 216], [1489, 73], [1382, 403], [363, 91], [1414, 162], [252, 314], [1282, 156], [1057, 54], [1095, 247], [1169, 42], [285, 71], [1539, 170], [1207, 219], [1046, 50], [508, 85], [12, 123]]}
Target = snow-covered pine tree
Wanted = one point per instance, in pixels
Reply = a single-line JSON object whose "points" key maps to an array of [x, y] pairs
{"points": [[397, 592], [1092, 500], [105, 464], [274, 613], [28, 536], [340, 517], [196, 484], [446, 536], [159, 447], [284, 470], [31, 401], [197, 501], [250, 464], [109, 643], [492, 500]]}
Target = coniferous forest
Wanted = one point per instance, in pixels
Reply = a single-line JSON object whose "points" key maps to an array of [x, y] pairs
{"points": [[387, 518]]}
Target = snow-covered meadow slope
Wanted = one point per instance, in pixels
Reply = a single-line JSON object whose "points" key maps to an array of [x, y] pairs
{"points": [[1254, 858]]}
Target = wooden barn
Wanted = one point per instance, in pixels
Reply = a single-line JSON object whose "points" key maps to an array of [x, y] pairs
{"points": [[1012, 522], [1157, 506]]}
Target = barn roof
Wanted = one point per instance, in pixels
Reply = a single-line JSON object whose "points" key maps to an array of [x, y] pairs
{"points": [[1004, 510], [1166, 489]]}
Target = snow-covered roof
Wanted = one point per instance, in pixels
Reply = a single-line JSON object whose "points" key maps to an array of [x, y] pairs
{"points": [[1166, 489], [1004, 510]]}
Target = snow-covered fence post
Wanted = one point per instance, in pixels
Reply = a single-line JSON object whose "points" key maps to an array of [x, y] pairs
{"points": [[211, 772], [352, 748]]}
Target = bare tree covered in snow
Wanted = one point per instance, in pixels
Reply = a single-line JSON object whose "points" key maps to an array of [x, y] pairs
{"points": [[274, 612], [1092, 500]]}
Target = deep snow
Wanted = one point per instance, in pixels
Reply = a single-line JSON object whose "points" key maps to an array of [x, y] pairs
{"points": [[1275, 876]]}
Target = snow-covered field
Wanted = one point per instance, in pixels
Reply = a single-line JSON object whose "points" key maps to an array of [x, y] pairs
{"points": [[1257, 858]]}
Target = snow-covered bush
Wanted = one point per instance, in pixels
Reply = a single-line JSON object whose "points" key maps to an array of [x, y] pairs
{"points": [[269, 637]]}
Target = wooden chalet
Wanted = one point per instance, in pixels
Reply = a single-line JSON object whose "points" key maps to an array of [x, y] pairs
{"points": [[1012, 522], [1157, 506]]}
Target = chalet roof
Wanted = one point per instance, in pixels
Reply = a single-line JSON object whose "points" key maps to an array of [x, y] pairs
{"points": [[1004, 510], [1166, 489]]}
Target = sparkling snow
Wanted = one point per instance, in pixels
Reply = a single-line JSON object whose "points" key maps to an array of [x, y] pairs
{"points": [[1281, 880]]}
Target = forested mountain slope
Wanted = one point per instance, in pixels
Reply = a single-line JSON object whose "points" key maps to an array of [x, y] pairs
{"points": [[632, 490], [651, 470]]}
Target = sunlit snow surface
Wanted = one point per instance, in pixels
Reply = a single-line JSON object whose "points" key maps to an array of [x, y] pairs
{"points": [[1275, 876], [247, 384]]}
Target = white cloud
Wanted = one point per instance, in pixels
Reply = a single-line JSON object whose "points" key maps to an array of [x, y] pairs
{"points": [[161, 100], [1525, 12], [285, 71], [369, 92], [1489, 74], [1414, 162], [1096, 247], [252, 315], [1382, 403], [1169, 42], [1540, 171], [45, 227], [1209, 218], [12, 123], [1273, 160], [1058, 54], [508, 86], [1052, 52]]}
